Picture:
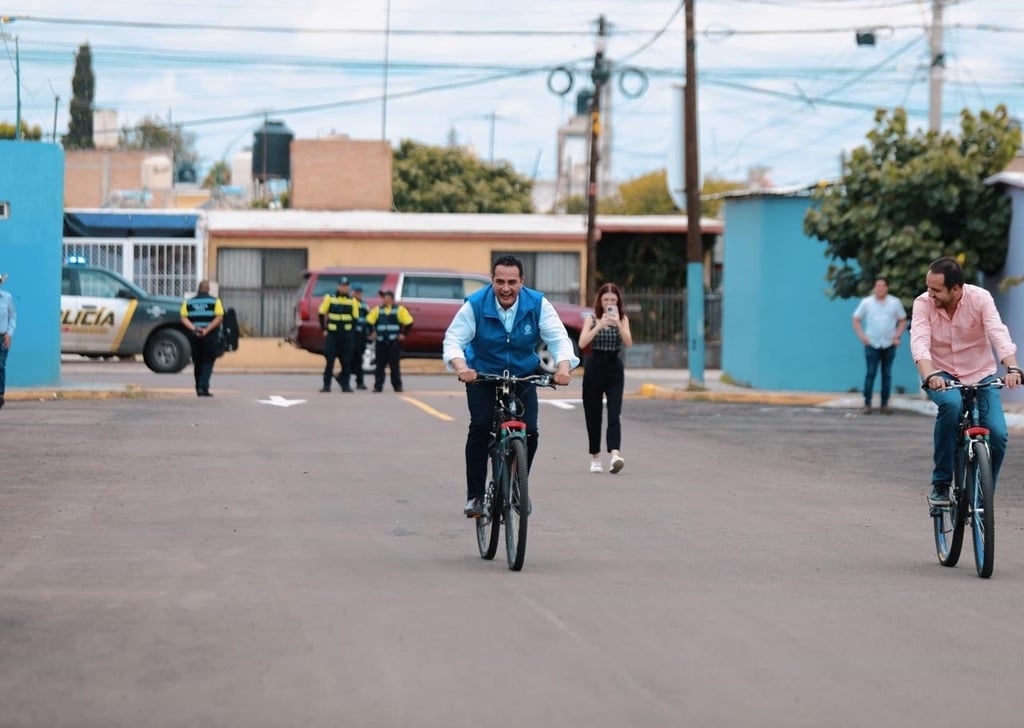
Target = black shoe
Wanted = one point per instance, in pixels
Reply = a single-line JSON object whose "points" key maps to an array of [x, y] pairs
{"points": [[346, 389], [474, 508], [360, 386], [399, 390], [325, 389], [939, 495], [377, 390], [206, 393], [1, 402]]}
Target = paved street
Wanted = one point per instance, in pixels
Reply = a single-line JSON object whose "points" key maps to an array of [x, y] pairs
{"points": [[170, 561]]}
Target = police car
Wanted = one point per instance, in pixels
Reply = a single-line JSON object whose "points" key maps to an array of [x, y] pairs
{"points": [[103, 314]]}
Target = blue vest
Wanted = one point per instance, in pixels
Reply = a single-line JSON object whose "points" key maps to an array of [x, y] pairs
{"points": [[493, 350]]}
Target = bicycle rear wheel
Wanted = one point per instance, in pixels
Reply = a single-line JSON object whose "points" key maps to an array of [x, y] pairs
{"points": [[983, 517], [949, 521], [517, 499]]}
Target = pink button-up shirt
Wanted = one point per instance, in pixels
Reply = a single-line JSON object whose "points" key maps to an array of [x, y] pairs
{"points": [[962, 344]]}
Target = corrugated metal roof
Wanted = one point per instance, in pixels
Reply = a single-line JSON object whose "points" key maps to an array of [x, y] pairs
{"points": [[1011, 179]]}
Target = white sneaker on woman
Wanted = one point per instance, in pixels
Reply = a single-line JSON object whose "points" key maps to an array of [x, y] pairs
{"points": [[595, 466], [617, 463]]}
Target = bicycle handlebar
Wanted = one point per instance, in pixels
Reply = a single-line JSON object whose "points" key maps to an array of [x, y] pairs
{"points": [[957, 384], [539, 380]]}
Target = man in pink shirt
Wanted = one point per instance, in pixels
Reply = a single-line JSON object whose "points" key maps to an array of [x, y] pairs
{"points": [[954, 329]]}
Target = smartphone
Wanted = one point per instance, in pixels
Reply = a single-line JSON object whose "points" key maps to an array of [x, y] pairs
{"points": [[613, 310]]}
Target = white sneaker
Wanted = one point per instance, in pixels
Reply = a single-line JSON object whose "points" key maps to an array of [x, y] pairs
{"points": [[595, 466], [617, 463]]}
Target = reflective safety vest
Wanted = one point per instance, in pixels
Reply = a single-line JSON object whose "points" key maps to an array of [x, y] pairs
{"points": [[360, 326], [340, 312], [387, 325], [201, 310]]}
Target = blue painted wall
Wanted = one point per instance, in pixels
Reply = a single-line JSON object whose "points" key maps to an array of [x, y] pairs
{"points": [[1011, 303], [32, 183], [779, 328]]}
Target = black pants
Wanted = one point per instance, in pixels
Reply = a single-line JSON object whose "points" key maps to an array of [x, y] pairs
{"points": [[480, 398], [358, 347], [389, 354], [603, 377], [204, 354], [338, 345]]}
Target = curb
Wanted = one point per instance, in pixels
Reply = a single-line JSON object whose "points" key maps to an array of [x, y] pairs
{"points": [[657, 391]]}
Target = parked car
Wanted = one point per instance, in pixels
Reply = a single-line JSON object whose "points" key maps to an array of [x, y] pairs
{"points": [[432, 297], [103, 315]]}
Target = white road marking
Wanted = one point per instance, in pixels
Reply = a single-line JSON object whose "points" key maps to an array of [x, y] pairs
{"points": [[279, 401]]}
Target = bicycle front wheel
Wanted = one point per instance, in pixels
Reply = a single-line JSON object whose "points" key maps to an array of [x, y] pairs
{"points": [[981, 493], [949, 521], [517, 504]]}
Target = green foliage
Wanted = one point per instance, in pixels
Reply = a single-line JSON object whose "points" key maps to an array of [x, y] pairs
{"points": [[644, 195], [219, 174], [83, 91], [714, 185], [153, 133], [906, 199], [449, 179], [28, 133]]}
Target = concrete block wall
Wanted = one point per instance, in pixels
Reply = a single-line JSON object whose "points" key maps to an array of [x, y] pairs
{"points": [[338, 173]]}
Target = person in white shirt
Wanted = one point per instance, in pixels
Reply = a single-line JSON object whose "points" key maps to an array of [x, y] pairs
{"points": [[879, 322]]}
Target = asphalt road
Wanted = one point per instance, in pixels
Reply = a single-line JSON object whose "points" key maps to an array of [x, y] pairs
{"points": [[172, 561]]}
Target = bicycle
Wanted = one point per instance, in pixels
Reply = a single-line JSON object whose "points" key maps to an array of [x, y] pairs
{"points": [[507, 498], [972, 493]]}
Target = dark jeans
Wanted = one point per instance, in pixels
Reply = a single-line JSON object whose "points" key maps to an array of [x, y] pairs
{"points": [[338, 346], [990, 412], [204, 354], [389, 354], [874, 358], [3, 369], [603, 377], [480, 398]]}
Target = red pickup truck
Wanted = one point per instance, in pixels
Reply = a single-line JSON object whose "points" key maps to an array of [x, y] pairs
{"points": [[432, 297]]}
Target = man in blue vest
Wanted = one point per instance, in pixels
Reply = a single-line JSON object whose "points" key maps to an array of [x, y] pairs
{"points": [[202, 315], [498, 328]]}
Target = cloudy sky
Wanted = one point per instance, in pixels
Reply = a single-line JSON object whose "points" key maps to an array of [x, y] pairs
{"points": [[782, 83]]}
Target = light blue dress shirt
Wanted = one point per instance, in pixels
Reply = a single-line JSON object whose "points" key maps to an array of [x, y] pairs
{"points": [[462, 330], [8, 316]]}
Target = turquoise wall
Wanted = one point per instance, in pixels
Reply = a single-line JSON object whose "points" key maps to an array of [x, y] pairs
{"points": [[32, 185], [779, 328]]}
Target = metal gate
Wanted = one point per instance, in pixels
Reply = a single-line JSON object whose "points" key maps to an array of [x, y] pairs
{"points": [[260, 285], [161, 266]]}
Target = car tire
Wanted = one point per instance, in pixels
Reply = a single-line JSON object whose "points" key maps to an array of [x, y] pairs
{"points": [[167, 351], [547, 361]]}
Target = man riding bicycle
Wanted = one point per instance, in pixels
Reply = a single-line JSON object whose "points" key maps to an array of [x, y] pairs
{"points": [[954, 328], [497, 329]]}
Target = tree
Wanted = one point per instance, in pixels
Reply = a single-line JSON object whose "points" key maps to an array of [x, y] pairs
{"points": [[449, 179], [219, 174], [644, 195], [83, 90], [153, 133], [31, 133], [906, 199]]}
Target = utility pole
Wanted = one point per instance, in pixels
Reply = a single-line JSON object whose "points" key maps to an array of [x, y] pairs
{"points": [[56, 105], [17, 84], [599, 75], [694, 247], [936, 66]]}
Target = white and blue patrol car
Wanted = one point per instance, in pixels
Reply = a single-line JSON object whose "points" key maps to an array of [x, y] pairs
{"points": [[103, 314]]}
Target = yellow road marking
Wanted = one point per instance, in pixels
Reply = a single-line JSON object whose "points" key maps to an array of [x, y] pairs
{"points": [[428, 409]]}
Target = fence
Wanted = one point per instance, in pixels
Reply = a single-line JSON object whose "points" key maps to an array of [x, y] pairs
{"points": [[161, 266], [659, 316]]}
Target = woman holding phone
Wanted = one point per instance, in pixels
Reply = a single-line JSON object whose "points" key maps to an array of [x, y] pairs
{"points": [[605, 332]]}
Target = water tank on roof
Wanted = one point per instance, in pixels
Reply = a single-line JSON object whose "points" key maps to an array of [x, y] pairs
{"points": [[271, 155], [156, 172]]}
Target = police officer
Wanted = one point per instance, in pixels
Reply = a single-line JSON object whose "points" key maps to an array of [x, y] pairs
{"points": [[202, 315], [359, 335], [338, 314], [388, 326]]}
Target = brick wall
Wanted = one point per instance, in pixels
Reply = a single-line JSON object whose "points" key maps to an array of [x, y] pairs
{"points": [[92, 175], [338, 173]]}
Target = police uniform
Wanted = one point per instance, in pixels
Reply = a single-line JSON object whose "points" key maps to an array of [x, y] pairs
{"points": [[338, 314], [359, 333], [204, 312], [390, 323]]}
